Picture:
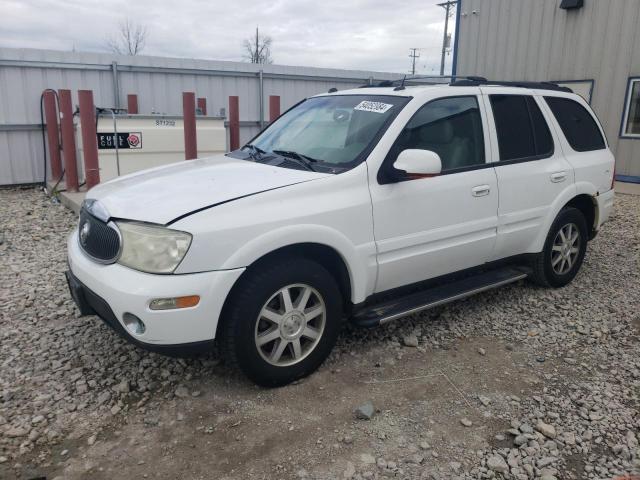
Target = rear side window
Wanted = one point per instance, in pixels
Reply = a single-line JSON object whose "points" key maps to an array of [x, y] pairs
{"points": [[523, 133], [577, 124]]}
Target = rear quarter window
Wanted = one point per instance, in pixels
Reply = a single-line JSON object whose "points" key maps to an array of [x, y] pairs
{"points": [[578, 125]]}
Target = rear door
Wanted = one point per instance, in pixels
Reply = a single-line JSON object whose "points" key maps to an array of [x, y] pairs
{"points": [[584, 143], [531, 169]]}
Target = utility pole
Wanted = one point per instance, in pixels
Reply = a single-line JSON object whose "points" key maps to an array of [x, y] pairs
{"points": [[413, 55], [447, 6]]}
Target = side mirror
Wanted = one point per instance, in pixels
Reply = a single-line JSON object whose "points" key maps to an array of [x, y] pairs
{"points": [[418, 164]]}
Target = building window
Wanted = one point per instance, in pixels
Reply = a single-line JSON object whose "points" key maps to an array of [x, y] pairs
{"points": [[577, 124], [523, 133], [631, 121]]}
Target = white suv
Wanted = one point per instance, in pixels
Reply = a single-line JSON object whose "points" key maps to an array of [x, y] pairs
{"points": [[367, 204]]}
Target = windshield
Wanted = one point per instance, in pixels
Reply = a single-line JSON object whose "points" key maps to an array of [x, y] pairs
{"points": [[329, 133]]}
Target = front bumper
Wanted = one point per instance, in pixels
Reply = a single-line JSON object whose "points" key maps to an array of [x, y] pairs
{"points": [[112, 290]]}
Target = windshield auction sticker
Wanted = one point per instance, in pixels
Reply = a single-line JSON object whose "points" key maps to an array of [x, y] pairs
{"points": [[378, 107]]}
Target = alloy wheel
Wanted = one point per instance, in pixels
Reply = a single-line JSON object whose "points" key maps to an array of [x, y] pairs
{"points": [[566, 248], [290, 325]]}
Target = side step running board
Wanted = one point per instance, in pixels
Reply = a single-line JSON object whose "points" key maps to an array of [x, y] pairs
{"points": [[433, 297]]}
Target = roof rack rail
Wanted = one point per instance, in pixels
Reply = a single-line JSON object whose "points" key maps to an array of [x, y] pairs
{"points": [[476, 81], [400, 82]]}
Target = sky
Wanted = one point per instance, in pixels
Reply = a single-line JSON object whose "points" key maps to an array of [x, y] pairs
{"points": [[351, 34]]}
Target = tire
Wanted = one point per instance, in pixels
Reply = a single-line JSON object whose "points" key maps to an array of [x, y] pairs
{"points": [[263, 333], [552, 267]]}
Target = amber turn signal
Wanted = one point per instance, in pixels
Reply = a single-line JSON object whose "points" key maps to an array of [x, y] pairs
{"points": [[176, 302]]}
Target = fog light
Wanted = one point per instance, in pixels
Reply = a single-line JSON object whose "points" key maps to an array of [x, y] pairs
{"points": [[176, 302], [133, 323]]}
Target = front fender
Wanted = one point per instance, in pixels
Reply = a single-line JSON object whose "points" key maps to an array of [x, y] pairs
{"points": [[360, 261]]}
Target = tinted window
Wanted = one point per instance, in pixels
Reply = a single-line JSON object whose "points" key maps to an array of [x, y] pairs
{"points": [[451, 127], [577, 124], [522, 131]]}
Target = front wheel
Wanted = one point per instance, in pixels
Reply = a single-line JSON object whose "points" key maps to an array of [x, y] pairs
{"points": [[281, 321], [564, 250]]}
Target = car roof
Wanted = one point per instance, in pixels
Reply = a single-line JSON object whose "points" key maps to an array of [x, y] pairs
{"points": [[420, 91]]}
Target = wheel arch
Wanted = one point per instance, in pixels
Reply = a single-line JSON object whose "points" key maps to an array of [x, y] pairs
{"points": [[353, 267]]}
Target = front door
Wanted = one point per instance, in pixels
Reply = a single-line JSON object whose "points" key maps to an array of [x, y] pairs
{"points": [[429, 227]]}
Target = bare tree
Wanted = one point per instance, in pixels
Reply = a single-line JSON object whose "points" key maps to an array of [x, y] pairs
{"points": [[130, 39], [258, 49]]}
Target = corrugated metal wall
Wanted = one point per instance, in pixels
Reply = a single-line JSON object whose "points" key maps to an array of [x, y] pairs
{"points": [[158, 82], [536, 40]]}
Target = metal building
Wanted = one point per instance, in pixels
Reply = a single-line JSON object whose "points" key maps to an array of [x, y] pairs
{"points": [[592, 46]]}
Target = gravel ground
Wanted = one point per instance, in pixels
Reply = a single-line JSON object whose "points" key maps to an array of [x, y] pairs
{"points": [[519, 383]]}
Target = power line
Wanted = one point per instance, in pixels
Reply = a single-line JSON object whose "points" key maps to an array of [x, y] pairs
{"points": [[413, 55]]}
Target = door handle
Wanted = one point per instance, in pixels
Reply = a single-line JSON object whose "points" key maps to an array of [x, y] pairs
{"points": [[558, 177], [480, 190]]}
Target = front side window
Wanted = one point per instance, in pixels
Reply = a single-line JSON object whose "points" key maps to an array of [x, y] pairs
{"points": [[577, 124], [632, 117], [523, 133], [451, 127], [329, 133]]}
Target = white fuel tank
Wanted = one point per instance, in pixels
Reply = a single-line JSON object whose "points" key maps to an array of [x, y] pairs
{"points": [[147, 141]]}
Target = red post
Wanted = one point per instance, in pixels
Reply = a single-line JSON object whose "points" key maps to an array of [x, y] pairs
{"points": [[189, 114], [234, 123], [274, 107], [51, 118], [202, 105], [89, 138], [68, 141], [132, 103]]}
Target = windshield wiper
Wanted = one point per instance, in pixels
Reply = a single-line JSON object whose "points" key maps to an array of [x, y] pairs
{"points": [[303, 160], [254, 152]]}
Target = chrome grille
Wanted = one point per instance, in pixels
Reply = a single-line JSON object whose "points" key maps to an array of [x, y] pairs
{"points": [[101, 241]]}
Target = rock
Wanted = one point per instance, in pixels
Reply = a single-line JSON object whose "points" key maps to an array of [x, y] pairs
{"points": [[115, 409], [569, 438], [16, 432], [466, 422], [484, 400], [91, 440], [545, 429], [181, 392], [348, 439], [122, 387], [104, 398], [497, 464], [546, 461], [350, 471], [366, 411], [520, 440], [3, 459], [410, 341], [367, 459], [196, 393], [64, 453], [482, 351]]}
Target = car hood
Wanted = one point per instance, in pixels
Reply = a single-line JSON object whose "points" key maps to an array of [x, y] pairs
{"points": [[165, 194]]}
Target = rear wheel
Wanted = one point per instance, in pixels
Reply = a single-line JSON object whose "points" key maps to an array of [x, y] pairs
{"points": [[281, 321], [564, 250]]}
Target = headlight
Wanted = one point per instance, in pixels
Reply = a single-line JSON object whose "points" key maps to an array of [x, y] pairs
{"points": [[152, 249]]}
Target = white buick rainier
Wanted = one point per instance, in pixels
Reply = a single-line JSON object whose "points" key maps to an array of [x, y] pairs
{"points": [[368, 204]]}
